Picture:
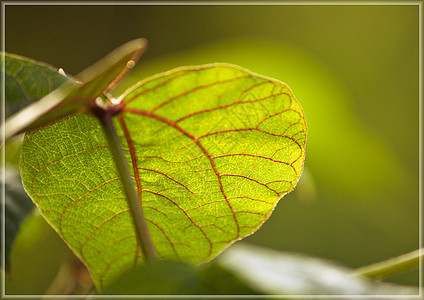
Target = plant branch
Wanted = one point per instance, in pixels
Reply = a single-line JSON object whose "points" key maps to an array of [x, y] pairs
{"points": [[105, 117], [392, 266]]}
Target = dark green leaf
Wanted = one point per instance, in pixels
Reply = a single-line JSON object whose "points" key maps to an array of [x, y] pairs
{"points": [[178, 278], [79, 95], [17, 208], [27, 80]]}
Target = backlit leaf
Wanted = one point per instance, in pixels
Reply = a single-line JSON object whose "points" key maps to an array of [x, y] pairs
{"points": [[212, 149]]}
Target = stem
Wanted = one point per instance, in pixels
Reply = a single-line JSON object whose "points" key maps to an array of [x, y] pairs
{"points": [[140, 225], [392, 266]]}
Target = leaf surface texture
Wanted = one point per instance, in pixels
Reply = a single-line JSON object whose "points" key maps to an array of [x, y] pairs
{"points": [[211, 148]]}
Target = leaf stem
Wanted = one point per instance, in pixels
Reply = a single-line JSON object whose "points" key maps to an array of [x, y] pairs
{"points": [[392, 266], [105, 117]]}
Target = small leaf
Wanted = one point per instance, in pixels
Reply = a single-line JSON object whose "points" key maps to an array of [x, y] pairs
{"points": [[27, 80], [17, 208], [212, 149], [79, 95]]}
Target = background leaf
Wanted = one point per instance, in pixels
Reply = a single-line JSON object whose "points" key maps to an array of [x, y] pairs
{"points": [[273, 272], [27, 80], [78, 95], [212, 148]]}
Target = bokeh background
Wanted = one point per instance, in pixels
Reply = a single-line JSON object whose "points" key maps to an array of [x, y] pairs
{"points": [[354, 69]]}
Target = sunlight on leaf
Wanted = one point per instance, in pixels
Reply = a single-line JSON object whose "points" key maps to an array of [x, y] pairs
{"points": [[212, 149], [178, 278]]}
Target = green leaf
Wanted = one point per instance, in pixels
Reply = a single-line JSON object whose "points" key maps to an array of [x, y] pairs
{"points": [[27, 80], [178, 278], [17, 208], [73, 96], [212, 149]]}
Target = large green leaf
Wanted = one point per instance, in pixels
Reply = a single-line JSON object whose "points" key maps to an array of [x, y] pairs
{"points": [[73, 95], [212, 149]]}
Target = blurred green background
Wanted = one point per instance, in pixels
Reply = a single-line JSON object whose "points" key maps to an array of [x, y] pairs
{"points": [[354, 70]]}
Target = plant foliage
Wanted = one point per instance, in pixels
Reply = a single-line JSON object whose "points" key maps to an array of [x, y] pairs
{"points": [[212, 149]]}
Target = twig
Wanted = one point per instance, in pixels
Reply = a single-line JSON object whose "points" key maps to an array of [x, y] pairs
{"points": [[105, 117], [391, 266]]}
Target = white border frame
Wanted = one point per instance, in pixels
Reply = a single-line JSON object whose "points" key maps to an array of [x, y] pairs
{"points": [[215, 3]]}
